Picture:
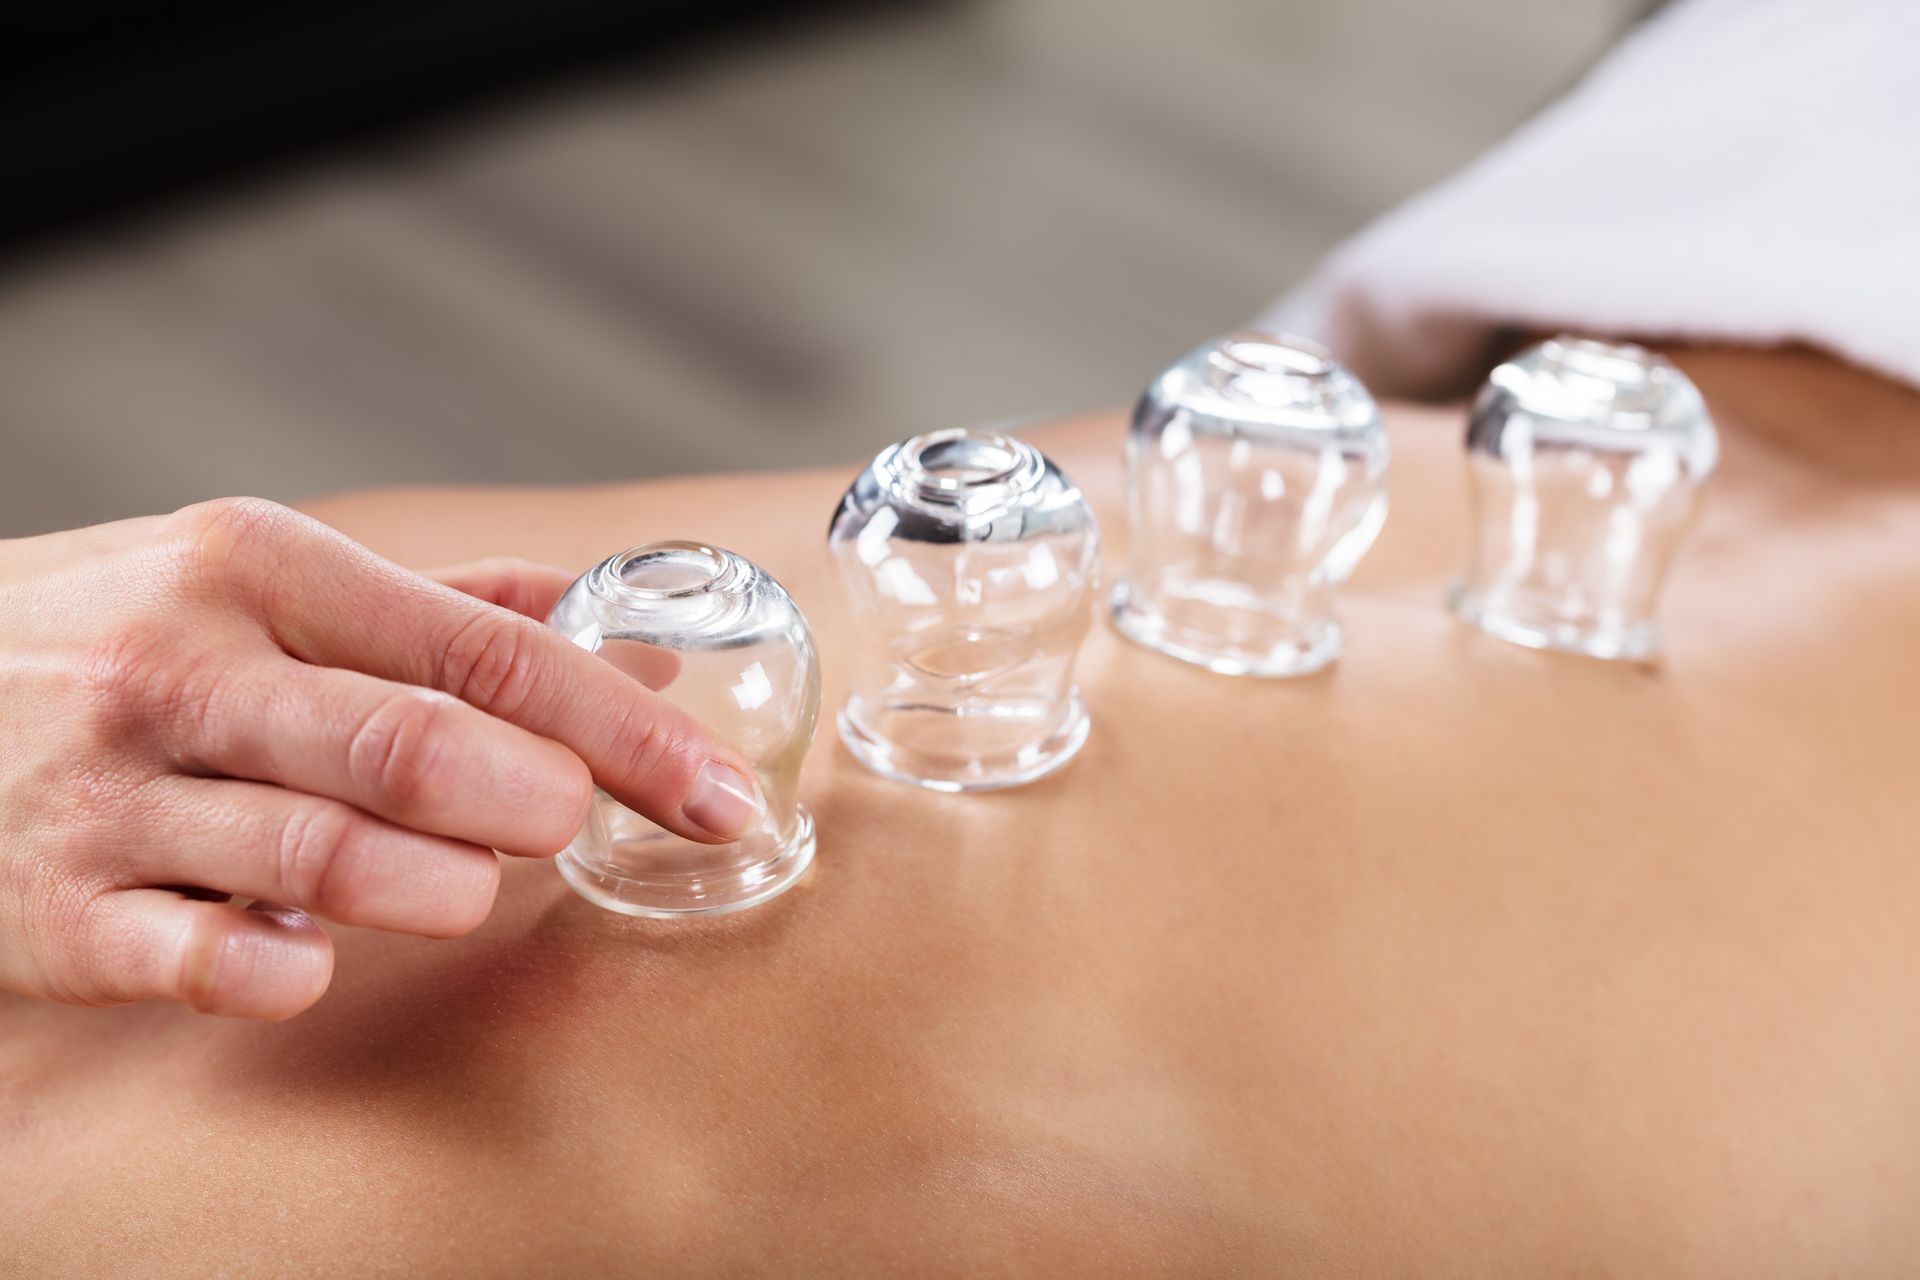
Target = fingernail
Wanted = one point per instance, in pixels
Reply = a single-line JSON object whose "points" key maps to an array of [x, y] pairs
{"points": [[723, 801]]}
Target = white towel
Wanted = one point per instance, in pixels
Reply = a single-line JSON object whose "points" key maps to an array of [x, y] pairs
{"points": [[1739, 171]]}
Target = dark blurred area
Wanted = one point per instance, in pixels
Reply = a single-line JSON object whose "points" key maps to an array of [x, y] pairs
{"points": [[105, 107], [294, 249]]}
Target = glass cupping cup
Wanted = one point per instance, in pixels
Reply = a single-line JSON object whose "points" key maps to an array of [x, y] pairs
{"points": [[1256, 480], [968, 562], [721, 639], [1585, 462]]}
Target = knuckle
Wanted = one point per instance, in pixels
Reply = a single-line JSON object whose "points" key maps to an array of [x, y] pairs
{"points": [[68, 835], [399, 750], [650, 740], [119, 672], [56, 929], [232, 539], [206, 964], [495, 663], [186, 696], [147, 674], [313, 844], [216, 964]]}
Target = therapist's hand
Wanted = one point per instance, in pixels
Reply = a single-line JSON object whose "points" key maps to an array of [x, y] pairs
{"points": [[235, 701]]}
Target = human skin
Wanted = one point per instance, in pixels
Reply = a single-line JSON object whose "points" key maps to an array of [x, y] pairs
{"points": [[1455, 960], [235, 700]]}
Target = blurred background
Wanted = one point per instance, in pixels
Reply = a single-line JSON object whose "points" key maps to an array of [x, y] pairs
{"points": [[286, 250]]}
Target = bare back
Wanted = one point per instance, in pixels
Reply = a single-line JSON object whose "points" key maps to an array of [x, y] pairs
{"points": [[1454, 960]]}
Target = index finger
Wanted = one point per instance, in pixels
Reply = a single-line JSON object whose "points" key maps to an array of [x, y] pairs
{"points": [[337, 604]]}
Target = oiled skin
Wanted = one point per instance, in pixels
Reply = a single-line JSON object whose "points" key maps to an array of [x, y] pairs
{"points": [[1457, 960]]}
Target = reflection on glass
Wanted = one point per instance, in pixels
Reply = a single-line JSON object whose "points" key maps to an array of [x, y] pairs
{"points": [[1256, 479], [969, 563], [1584, 462], [724, 641]]}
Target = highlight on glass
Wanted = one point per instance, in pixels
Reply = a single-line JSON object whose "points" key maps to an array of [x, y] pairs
{"points": [[711, 631], [1256, 480], [969, 564], [1585, 462]]}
